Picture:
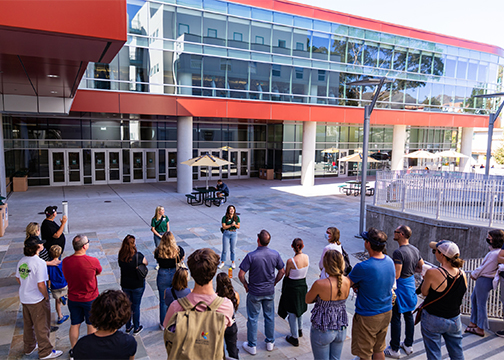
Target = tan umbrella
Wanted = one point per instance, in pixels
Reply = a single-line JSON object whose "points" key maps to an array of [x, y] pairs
{"points": [[451, 154], [226, 148], [357, 157], [331, 150], [420, 154], [208, 161]]}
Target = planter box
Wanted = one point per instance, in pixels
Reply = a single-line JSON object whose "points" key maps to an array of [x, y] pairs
{"points": [[20, 184], [267, 174]]}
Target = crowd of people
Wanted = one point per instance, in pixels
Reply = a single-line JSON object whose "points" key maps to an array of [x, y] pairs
{"points": [[384, 285]]}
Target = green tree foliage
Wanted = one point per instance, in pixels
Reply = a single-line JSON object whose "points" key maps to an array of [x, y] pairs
{"points": [[499, 154]]}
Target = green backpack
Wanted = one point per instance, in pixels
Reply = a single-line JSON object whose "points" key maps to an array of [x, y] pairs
{"points": [[194, 335]]}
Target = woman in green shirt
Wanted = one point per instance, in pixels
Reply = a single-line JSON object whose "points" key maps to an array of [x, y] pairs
{"points": [[159, 224], [230, 223]]}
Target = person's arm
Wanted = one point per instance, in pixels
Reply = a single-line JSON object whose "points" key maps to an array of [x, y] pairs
{"points": [[312, 294], [241, 276], [43, 289], [280, 275], [167, 224], [289, 265], [429, 279], [419, 266], [236, 224], [398, 269], [53, 262], [321, 261], [500, 258], [98, 267], [19, 281], [226, 227], [144, 261], [153, 229], [132, 357], [237, 298], [58, 233]]}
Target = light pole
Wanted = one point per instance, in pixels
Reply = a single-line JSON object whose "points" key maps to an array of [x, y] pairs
{"points": [[491, 121], [368, 109]]}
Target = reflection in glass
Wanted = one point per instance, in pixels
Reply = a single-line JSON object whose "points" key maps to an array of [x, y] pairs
{"points": [[301, 41], [259, 80], [281, 40], [214, 29], [238, 33], [338, 49]]}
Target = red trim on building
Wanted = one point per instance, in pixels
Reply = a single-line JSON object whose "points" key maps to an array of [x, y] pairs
{"points": [[370, 24], [170, 105]]}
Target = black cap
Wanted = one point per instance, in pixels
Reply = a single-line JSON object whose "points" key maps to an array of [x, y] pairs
{"points": [[50, 210], [365, 236], [33, 241]]}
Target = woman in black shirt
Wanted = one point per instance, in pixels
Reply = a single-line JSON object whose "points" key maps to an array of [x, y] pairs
{"points": [[131, 283]]}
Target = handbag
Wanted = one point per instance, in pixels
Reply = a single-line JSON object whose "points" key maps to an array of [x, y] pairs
{"points": [[348, 267], [141, 269], [420, 308], [222, 230]]}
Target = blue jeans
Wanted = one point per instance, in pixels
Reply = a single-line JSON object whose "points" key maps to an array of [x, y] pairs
{"points": [[479, 300], [433, 328], [327, 345], [254, 304], [157, 240], [164, 281], [295, 323], [228, 238], [395, 328], [135, 296]]}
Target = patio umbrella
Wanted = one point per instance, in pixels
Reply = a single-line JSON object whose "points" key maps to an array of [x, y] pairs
{"points": [[451, 154], [420, 154], [208, 161], [226, 148], [331, 150], [357, 157]]}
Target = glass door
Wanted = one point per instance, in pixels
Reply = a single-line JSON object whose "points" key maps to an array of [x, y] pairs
{"points": [[144, 165], [150, 165], [114, 166], [343, 165], [138, 164], [172, 165], [65, 167], [244, 161], [106, 166], [233, 168]]}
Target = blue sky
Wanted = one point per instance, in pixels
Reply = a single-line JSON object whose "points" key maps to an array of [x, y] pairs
{"points": [[478, 20]]}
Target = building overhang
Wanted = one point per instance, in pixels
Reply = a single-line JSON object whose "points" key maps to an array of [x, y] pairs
{"points": [[45, 46]]}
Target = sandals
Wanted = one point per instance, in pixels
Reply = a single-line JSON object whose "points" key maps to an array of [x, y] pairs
{"points": [[472, 330]]}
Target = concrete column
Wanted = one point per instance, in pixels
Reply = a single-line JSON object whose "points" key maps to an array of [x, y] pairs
{"points": [[466, 148], [398, 142], [308, 158], [3, 183], [185, 79], [313, 93], [184, 152]]}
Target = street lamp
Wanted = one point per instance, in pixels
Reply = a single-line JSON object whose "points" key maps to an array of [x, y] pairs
{"points": [[368, 109], [491, 121]]}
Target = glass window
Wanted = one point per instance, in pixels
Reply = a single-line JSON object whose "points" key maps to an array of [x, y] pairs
{"points": [[482, 71], [259, 80], [138, 17], [281, 18], [338, 49], [302, 43], [214, 72], [426, 63], [238, 78], [280, 83], [320, 46], [424, 93], [399, 61], [215, 5], [318, 88], [302, 22], [191, 3], [261, 14], [238, 30], [261, 36], [411, 92], [189, 24], [300, 81], [354, 52], [450, 64], [189, 74], [239, 10], [413, 60], [438, 66], [461, 68], [168, 22], [370, 54], [356, 32], [385, 56], [214, 29], [355, 134], [282, 40], [351, 92], [472, 70], [344, 134], [322, 25]]}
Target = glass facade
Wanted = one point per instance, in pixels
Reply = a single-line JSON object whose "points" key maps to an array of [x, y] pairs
{"points": [[222, 49]]}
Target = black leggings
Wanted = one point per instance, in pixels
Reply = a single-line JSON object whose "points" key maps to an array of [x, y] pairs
{"points": [[230, 337]]}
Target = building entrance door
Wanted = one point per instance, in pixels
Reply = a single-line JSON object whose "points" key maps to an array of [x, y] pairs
{"points": [[240, 169], [107, 166], [65, 167], [342, 165], [144, 165]]}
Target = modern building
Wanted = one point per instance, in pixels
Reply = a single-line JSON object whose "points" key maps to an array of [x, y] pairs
{"points": [[261, 83]]}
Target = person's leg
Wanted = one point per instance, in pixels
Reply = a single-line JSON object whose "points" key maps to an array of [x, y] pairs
{"points": [[87, 312], [409, 324], [41, 316], [395, 328], [253, 308], [136, 300], [293, 324], [74, 334], [225, 245], [474, 306], [157, 240], [320, 341], [164, 280], [484, 286], [230, 337], [76, 318], [432, 327], [57, 305], [336, 346], [29, 340], [268, 305], [453, 338], [233, 239], [129, 295]]}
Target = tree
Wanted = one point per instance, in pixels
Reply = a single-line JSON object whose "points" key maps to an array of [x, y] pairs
{"points": [[499, 154]]}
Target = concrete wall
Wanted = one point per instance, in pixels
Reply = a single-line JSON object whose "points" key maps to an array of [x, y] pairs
{"points": [[469, 238]]}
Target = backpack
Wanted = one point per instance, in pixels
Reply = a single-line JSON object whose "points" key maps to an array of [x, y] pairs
{"points": [[192, 334]]}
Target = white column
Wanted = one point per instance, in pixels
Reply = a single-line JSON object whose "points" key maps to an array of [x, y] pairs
{"points": [[185, 79], [313, 93], [308, 155], [398, 142], [184, 152], [3, 183], [466, 148]]}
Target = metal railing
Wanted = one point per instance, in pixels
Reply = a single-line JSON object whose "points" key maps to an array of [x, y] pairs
{"points": [[494, 305], [443, 195]]}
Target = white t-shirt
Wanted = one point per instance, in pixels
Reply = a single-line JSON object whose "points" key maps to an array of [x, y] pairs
{"points": [[30, 271], [331, 246]]}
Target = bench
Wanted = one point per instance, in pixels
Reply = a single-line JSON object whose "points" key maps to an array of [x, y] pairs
{"points": [[191, 199], [210, 200]]}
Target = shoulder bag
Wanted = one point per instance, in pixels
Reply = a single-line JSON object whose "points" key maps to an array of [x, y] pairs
{"points": [[141, 268]]}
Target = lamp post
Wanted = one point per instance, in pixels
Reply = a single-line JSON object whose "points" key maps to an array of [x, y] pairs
{"points": [[491, 121], [368, 109]]}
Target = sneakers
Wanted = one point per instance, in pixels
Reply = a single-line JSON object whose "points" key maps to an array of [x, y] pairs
{"points": [[70, 354], [63, 300], [221, 265], [500, 333], [31, 352], [54, 354], [157, 267], [233, 265], [291, 340], [407, 349], [300, 333], [161, 327], [128, 329], [270, 346], [391, 353], [138, 331], [250, 349], [62, 319]]}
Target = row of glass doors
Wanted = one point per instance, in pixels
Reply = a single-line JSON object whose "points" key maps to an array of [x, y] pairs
{"points": [[115, 166]]}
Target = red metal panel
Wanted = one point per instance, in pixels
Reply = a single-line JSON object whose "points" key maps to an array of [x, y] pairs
{"points": [[291, 112], [249, 110], [148, 104], [96, 101]]}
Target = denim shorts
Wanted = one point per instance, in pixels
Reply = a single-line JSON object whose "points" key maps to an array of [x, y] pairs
{"points": [[79, 311]]}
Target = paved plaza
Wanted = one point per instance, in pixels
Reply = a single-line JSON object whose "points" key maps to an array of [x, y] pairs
{"points": [[107, 213]]}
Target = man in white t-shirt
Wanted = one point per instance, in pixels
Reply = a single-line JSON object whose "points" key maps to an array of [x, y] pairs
{"points": [[31, 274]]}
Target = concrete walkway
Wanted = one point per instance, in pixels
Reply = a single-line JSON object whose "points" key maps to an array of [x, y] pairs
{"points": [[107, 213]]}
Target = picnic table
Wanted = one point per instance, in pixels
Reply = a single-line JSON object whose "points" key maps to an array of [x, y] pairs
{"points": [[354, 187]]}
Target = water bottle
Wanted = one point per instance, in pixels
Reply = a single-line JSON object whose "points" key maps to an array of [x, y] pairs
{"points": [[230, 272]]}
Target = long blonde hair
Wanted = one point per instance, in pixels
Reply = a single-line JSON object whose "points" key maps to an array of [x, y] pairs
{"points": [[168, 248], [334, 265], [158, 210], [31, 229]]}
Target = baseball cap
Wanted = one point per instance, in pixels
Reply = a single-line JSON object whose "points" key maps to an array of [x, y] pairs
{"points": [[446, 247], [33, 241], [50, 210], [365, 235]]}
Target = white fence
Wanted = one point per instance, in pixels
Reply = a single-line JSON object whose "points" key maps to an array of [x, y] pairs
{"points": [[446, 196]]}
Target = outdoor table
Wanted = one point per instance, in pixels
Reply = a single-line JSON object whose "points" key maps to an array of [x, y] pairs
{"points": [[204, 193], [354, 187]]}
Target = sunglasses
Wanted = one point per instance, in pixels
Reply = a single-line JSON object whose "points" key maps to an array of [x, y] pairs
{"points": [[397, 232], [435, 250]]}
